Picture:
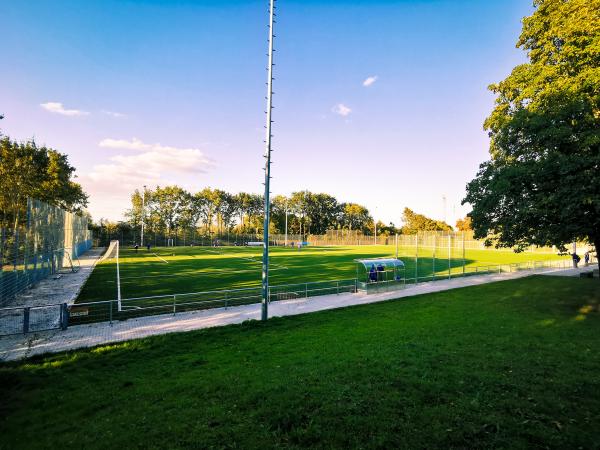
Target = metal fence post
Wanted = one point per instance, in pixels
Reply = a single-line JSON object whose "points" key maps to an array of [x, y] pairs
{"points": [[110, 314], [226, 299], [26, 319], [417, 258], [337, 285], [449, 256], [306, 290], [174, 300], [64, 316], [433, 259]]}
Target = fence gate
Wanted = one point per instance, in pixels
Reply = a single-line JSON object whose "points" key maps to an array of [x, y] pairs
{"points": [[29, 319]]}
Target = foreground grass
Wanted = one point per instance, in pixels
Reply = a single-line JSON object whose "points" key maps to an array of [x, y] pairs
{"points": [[513, 364]]}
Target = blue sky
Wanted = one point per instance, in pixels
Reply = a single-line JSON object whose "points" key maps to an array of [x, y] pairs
{"points": [[157, 92]]}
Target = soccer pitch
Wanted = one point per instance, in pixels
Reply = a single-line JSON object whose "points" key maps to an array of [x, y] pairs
{"points": [[178, 270]]}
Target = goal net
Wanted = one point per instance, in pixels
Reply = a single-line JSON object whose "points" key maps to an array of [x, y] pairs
{"points": [[112, 255]]}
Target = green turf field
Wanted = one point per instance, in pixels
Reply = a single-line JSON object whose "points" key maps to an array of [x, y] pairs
{"points": [[509, 365], [193, 269]]}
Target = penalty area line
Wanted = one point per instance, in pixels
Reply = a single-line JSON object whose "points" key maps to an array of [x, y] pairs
{"points": [[163, 260]]}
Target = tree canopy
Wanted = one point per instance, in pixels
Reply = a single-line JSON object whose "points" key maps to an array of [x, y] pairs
{"points": [[414, 222], [213, 210], [541, 185], [27, 170]]}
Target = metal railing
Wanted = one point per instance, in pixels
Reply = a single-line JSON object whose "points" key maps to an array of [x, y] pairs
{"points": [[18, 320]]}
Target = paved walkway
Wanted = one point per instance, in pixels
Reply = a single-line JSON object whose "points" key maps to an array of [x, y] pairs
{"points": [[23, 346]]}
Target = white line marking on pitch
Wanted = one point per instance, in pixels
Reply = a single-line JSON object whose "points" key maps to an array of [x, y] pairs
{"points": [[164, 260]]}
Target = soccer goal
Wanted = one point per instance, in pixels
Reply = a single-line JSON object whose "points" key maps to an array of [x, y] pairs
{"points": [[112, 253]]}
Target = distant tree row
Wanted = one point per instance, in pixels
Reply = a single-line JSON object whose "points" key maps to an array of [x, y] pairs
{"points": [[172, 208], [216, 211]]}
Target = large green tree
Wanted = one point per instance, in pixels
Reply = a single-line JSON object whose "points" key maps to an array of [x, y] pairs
{"points": [[27, 170], [542, 183]]}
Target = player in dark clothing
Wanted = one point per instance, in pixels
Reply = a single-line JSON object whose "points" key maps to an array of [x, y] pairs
{"points": [[380, 271], [372, 273]]}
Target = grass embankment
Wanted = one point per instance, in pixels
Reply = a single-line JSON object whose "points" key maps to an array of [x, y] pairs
{"points": [[513, 364]]}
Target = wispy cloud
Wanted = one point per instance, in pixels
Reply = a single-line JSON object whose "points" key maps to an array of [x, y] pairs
{"points": [[114, 114], [111, 183], [341, 110], [370, 80], [58, 108]]}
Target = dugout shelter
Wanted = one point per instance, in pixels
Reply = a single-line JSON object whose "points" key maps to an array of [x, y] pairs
{"points": [[376, 273]]}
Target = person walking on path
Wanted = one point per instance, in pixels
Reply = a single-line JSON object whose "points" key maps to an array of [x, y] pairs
{"points": [[576, 259]]}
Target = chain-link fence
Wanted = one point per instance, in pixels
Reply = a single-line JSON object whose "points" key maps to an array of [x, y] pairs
{"points": [[46, 241]]}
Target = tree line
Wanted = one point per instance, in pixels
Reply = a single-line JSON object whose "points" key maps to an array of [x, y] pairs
{"points": [[170, 210]]}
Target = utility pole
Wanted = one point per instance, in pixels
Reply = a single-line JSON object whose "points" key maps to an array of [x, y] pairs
{"points": [[143, 215], [267, 156], [286, 221]]}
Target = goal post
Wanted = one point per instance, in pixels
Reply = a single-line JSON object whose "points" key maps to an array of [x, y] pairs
{"points": [[113, 253]]}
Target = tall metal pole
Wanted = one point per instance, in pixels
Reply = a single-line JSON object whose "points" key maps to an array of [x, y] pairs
{"points": [[286, 222], [375, 231], [267, 156], [143, 215]]}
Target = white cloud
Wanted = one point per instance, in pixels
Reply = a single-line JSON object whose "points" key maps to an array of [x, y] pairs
{"points": [[116, 115], [58, 108], [133, 144], [370, 80], [110, 184], [341, 109]]}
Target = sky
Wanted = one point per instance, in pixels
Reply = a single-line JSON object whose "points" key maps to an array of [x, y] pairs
{"points": [[376, 102]]}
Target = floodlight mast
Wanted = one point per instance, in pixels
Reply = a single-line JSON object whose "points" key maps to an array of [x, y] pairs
{"points": [[267, 156], [143, 215]]}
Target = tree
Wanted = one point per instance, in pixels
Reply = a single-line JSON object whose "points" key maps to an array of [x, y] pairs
{"points": [[414, 222], [355, 217], [168, 203], [27, 170], [541, 185], [464, 224]]}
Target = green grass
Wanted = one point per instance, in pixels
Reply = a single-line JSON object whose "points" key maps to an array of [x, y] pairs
{"points": [[195, 269], [512, 365]]}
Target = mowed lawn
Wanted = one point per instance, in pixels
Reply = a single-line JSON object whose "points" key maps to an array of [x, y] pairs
{"points": [[513, 364], [164, 271]]}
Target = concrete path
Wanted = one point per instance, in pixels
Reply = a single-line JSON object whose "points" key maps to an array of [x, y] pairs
{"points": [[576, 272], [23, 346], [60, 289]]}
